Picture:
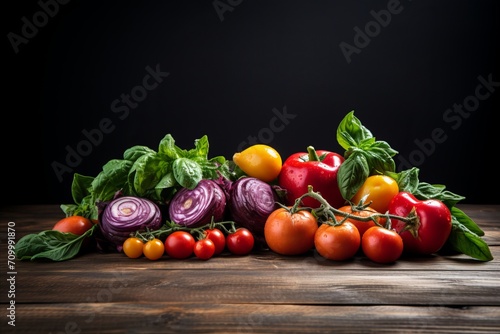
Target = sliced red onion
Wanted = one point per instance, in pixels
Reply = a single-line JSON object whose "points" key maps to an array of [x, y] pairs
{"points": [[128, 214], [196, 207], [251, 201]]}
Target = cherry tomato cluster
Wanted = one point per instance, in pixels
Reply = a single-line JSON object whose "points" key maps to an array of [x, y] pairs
{"points": [[181, 244]]}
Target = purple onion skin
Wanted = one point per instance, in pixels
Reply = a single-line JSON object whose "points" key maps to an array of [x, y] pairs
{"points": [[196, 207], [251, 201], [127, 214]]}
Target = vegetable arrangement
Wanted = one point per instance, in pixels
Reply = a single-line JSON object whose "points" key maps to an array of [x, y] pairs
{"points": [[180, 204]]}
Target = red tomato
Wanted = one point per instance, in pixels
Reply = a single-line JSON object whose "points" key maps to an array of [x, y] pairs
{"points": [[154, 249], [339, 242], [433, 226], [217, 238], [179, 245], [204, 249], [240, 242], [382, 245], [289, 233], [74, 224]]}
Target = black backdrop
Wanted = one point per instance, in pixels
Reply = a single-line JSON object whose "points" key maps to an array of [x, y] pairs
{"points": [[98, 77]]}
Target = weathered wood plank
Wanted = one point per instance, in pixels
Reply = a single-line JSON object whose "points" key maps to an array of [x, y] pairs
{"points": [[280, 285], [261, 260], [200, 317]]}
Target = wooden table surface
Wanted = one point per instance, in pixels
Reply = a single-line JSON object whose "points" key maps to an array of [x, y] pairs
{"points": [[259, 293]]}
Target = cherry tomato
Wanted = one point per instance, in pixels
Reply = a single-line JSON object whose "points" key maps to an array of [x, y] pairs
{"points": [[362, 226], [154, 249], [379, 190], [133, 247], [218, 238], [240, 242], [74, 224], [204, 249], [180, 245], [382, 245], [290, 233], [339, 242]]}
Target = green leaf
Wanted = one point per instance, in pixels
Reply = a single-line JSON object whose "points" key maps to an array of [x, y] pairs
{"points": [[352, 174], [135, 152], [111, 179], [51, 245], [383, 146], [187, 172], [437, 191], [201, 148], [407, 179], [149, 170], [467, 242], [80, 187], [466, 221], [379, 161], [29, 245], [351, 132], [168, 148]]}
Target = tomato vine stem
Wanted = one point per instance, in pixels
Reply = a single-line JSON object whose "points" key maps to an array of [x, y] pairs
{"points": [[170, 227], [327, 214]]}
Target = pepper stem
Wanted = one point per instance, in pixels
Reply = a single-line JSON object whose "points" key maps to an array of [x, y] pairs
{"points": [[313, 156]]}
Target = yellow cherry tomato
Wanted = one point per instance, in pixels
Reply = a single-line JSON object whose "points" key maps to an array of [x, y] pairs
{"points": [[133, 247], [378, 189], [260, 161], [154, 249]]}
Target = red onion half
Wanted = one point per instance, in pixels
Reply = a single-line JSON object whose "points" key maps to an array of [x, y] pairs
{"points": [[128, 214], [196, 207], [251, 201]]}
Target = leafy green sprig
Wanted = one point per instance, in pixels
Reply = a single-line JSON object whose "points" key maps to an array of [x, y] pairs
{"points": [[367, 156], [144, 172]]}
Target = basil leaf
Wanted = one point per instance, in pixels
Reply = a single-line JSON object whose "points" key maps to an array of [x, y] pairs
{"points": [[149, 170], [351, 132], [352, 174], [465, 241], [168, 148], [80, 187], [379, 161], [135, 152], [201, 148], [51, 245], [187, 172], [465, 220], [437, 191], [112, 178], [407, 179]]}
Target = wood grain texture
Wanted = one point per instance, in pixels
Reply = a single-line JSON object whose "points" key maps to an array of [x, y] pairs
{"points": [[260, 293]]}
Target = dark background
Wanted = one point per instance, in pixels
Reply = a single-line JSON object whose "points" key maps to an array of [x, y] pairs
{"points": [[228, 71]]}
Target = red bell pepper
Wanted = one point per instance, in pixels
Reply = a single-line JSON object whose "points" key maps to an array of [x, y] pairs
{"points": [[432, 225], [315, 168]]}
